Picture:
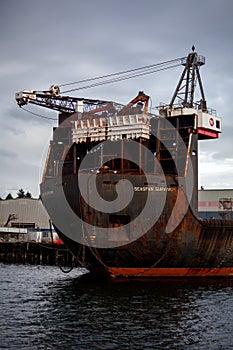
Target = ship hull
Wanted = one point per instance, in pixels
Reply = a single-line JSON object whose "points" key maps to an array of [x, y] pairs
{"points": [[170, 272], [196, 247]]}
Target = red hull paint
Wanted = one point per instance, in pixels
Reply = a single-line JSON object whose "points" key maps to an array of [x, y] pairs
{"points": [[170, 272]]}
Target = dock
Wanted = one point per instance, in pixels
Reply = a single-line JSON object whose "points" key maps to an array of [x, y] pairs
{"points": [[35, 254]]}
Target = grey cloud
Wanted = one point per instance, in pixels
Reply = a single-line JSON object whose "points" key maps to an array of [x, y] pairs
{"points": [[49, 42], [4, 153]]}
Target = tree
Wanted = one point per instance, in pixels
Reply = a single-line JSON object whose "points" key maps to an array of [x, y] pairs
{"points": [[9, 196], [21, 193]]}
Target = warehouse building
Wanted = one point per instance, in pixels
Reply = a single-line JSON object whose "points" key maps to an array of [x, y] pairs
{"points": [[215, 203], [24, 219], [23, 213]]}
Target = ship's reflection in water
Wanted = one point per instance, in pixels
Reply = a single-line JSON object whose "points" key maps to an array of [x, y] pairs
{"points": [[43, 309]]}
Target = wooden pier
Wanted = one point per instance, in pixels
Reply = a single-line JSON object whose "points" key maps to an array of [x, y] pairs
{"points": [[35, 254]]}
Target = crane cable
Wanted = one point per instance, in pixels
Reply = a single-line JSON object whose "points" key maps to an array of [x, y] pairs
{"points": [[118, 79], [118, 76], [36, 114], [123, 72], [124, 75]]}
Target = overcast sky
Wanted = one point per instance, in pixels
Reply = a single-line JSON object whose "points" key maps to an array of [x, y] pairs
{"points": [[55, 42]]}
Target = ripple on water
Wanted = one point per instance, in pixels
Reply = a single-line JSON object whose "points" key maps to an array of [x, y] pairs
{"points": [[41, 308]]}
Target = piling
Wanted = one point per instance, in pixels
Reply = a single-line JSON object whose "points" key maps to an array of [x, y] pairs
{"points": [[35, 254]]}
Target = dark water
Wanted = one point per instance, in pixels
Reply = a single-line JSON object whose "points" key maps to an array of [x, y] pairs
{"points": [[42, 308]]}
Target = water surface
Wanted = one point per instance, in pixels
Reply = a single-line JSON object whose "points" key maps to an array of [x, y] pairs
{"points": [[42, 308]]}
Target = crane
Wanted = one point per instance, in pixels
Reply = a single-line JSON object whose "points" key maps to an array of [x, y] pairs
{"points": [[184, 92], [140, 99], [53, 100]]}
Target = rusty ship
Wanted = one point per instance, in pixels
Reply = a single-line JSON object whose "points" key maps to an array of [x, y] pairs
{"points": [[120, 183]]}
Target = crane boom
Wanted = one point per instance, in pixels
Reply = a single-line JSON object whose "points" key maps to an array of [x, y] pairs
{"points": [[140, 99], [52, 100]]}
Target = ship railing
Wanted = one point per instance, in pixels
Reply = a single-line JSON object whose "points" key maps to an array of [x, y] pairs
{"points": [[196, 106]]}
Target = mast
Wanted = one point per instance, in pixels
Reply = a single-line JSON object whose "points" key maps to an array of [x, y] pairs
{"points": [[190, 77]]}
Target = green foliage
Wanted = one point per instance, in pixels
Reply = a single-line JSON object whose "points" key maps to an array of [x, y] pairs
{"points": [[9, 196], [21, 193]]}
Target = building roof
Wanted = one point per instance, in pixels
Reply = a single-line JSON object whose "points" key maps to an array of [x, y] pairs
{"points": [[27, 210]]}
